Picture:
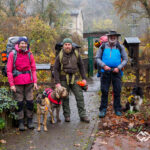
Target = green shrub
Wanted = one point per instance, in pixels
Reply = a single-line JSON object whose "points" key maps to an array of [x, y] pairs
{"points": [[2, 123], [7, 105]]}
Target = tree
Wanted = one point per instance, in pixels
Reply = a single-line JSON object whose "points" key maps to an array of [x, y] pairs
{"points": [[103, 24], [51, 11], [127, 7], [11, 7]]}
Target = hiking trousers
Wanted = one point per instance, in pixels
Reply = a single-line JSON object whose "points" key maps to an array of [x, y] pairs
{"points": [[77, 90], [106, 79], [24, 98]]}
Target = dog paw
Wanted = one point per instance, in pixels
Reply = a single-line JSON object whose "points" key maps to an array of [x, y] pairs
{"points": [[52, 121], [58, 120], [45, 129], [39, 129]]}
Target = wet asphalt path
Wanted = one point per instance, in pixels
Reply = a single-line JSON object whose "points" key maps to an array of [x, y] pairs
{"points": [[61, 136]]}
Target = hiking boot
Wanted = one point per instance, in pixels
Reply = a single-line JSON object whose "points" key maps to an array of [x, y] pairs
{"points": [[30, 123], [21, 125], [67, 119], [118, 113], [102, 113], [85, 119]]}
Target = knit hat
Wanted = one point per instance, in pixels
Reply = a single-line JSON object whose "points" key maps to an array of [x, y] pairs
{"points": [[67, 40], [22, 39]]}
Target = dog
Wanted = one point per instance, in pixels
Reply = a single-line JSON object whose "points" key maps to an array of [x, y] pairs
{"points": [[135, 100], [48, 102]]}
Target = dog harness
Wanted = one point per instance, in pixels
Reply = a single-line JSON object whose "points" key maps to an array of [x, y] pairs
{"points": [[48, 92], [43, 109]]}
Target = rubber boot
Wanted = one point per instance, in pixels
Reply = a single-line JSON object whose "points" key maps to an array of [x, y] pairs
{"points": [[21, 125], [30, 123]]}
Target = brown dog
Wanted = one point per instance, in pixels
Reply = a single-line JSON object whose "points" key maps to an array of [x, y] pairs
{"points": [[48, 102]]}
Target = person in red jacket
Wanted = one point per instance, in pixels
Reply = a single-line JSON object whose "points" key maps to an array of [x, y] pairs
{"points": [[22, 79]]}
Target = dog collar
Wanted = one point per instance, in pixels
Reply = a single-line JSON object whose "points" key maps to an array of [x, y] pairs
{"points": [[44, 108]]}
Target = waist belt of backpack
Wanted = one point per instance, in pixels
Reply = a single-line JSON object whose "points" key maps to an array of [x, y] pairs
{"points": [[67, 77], [16, 72]]}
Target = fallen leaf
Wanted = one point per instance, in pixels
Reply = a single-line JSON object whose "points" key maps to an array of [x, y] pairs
{"points": [[102, 142], [105, 124], [17, 133], [32, 147], [80, 133], [131, 125], [92, 135], [142, 121], [30, 142], [77, 145], [3, 141]]}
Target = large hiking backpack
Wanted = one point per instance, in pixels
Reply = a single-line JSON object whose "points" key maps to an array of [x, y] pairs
{"points": [[10, 47], [59, 46], [59, 52]]}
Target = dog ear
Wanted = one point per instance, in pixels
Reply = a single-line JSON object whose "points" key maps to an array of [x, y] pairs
{"points": [[57, 95], [57, 92], [64, 92]]}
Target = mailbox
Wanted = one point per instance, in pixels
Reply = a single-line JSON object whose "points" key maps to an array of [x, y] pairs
{"points": [[132, 44]]}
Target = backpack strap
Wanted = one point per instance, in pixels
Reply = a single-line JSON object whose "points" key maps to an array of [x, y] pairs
{"points": [[14, 58], [15, 71], [60, 58], [102, 48], [118, 46], [62, 72], [76, 53], [29, 54]]}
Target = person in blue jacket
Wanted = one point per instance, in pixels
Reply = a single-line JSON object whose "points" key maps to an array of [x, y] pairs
{"points": [[111, 58]]}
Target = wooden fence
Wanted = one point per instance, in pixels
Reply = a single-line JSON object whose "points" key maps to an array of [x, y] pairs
{"points": [[145, 68], [46, 67]]}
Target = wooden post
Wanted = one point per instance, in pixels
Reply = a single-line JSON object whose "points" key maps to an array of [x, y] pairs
{"points": [[90, 56], [136, 57], [147, 81]]}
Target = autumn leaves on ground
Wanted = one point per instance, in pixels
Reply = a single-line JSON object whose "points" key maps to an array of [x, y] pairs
{"points": [[114, 131]]}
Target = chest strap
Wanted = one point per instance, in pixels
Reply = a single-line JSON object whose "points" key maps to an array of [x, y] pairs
{"points": [[68, 78]]}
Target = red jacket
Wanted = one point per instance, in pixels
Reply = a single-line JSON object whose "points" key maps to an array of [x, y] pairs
{"points": [[22, 64]]}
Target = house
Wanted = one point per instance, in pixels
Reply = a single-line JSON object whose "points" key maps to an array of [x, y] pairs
{"points": [[76, 22]]}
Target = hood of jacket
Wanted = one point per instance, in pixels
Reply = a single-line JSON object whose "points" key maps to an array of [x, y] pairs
{"points": [[20, 50]]}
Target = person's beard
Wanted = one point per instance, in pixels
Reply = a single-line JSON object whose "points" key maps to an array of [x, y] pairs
{"points": [[67, 50], [112, 42]]}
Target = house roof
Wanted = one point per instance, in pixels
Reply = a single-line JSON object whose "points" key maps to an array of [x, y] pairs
{"points": [[75, 12]]}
